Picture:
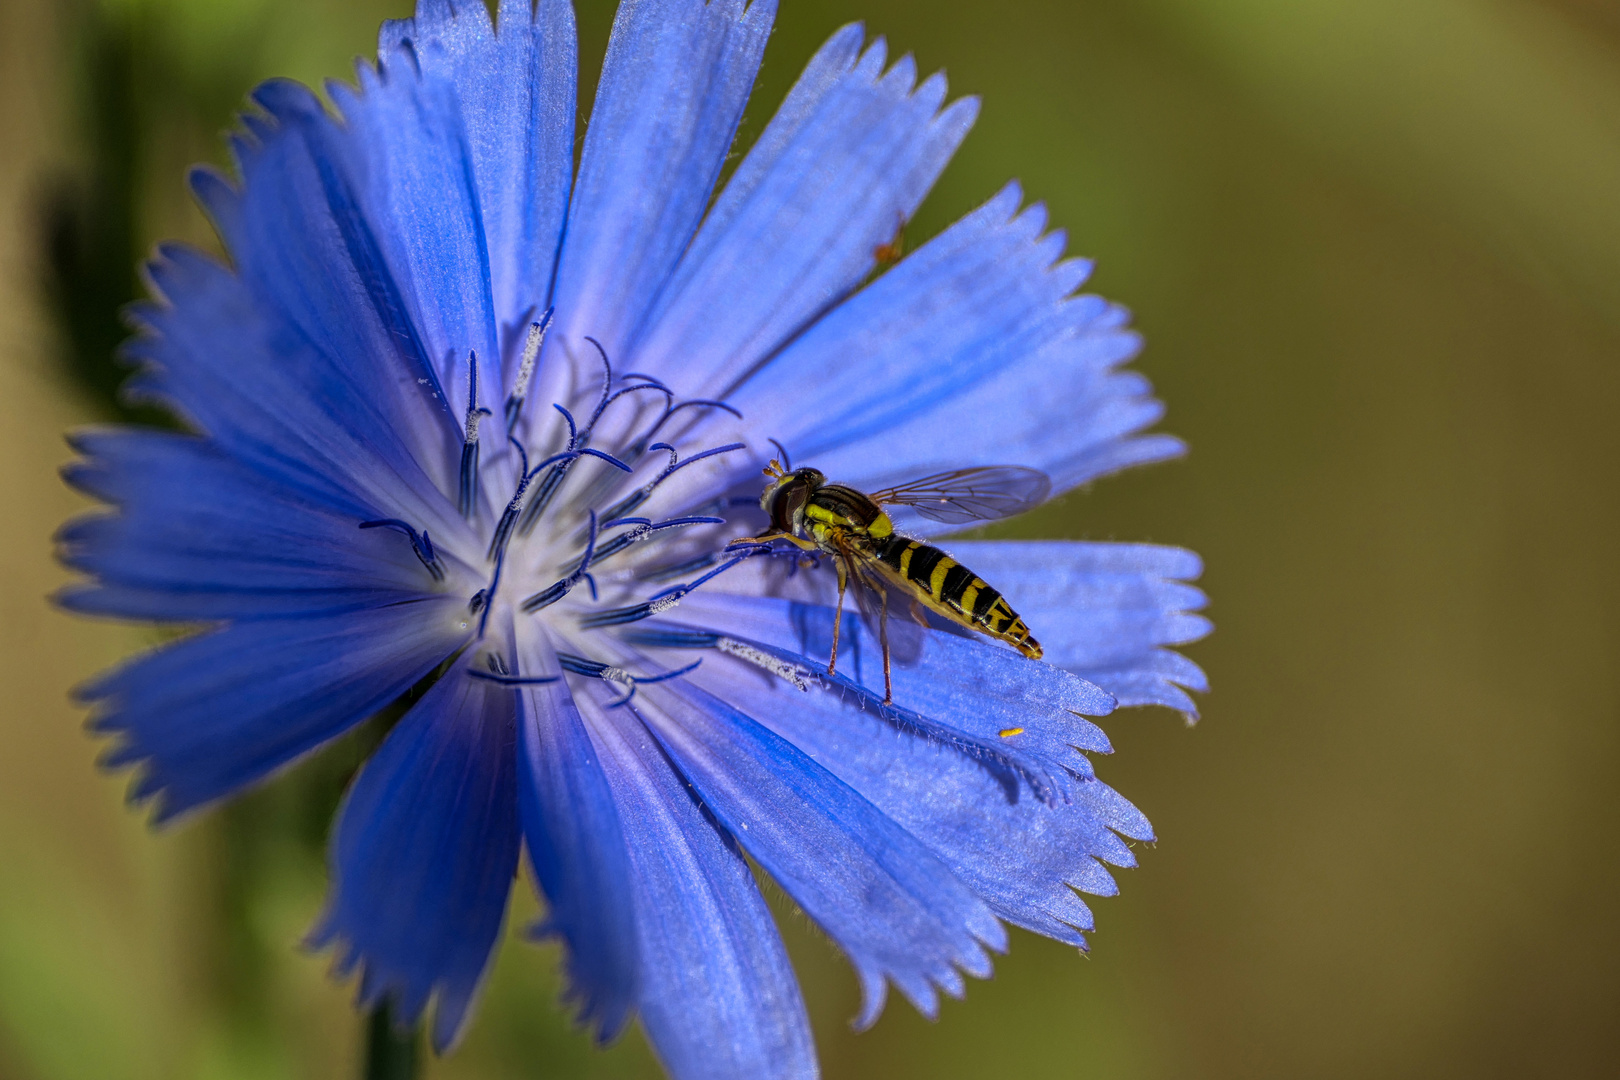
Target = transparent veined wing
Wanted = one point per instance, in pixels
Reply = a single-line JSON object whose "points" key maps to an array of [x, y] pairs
{"points": [[962, 495], [889, 610]]}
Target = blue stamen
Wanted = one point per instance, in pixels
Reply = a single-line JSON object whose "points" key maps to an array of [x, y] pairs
{"points": [[630, 502], [468, 502], [513, 680], [663, 601], [543, 495], [553, 481], [578, 665], [609, 458], [672, 639], [490, 593], [607, 379], [642, 494], [531, 353], [670, 411], [523, 455], [667, 572], [559, 589], [609, 396], [635, 388], [419, 543], [618, 616], [707, 403], [503, 528], [645, 680], [682, 590], [595, 669], [573, 429], [645, 528], [726, 449]]}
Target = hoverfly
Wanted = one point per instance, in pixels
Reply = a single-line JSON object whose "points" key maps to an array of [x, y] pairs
{"points": [[852, 527]]}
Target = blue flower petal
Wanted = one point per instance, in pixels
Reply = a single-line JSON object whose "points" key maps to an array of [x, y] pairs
{"points": [[971, 350], [214, 713], [847, 159], [576, 844], [1025, 858], [304, 238], [674, 83], [516, 91], [423, 855], [719, 1000], [198, 536], [894, 908], [967, 685], [213, 354], [299, 238], [407, 151], [1105, 611]]}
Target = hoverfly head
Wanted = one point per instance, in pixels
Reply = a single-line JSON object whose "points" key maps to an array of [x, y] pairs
{"points": [[784, 500]]}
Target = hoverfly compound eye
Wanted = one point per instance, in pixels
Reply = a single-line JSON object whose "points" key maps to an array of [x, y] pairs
{"points": [[796, 499], [768, 496]]}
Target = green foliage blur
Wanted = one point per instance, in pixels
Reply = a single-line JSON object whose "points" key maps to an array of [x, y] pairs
{"points": [[1374, 246]]}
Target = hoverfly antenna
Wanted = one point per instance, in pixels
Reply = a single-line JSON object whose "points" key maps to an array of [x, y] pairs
{"points": [[774, 470], [787, 462]]}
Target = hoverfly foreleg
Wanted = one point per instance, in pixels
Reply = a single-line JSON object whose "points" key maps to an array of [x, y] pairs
{"points": [[766, 538]]}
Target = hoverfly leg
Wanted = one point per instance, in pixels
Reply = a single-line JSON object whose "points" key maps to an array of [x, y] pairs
{"points": [[766, 538], [883, 636], [838, 613]]}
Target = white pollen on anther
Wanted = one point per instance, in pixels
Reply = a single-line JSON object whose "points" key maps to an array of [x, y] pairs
{"points": [[658, 607], [617, 675], [531, 353], [473, 416], [784, 669]]}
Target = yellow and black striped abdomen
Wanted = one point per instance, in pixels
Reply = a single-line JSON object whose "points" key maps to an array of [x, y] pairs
{"points": [[954, 591]]}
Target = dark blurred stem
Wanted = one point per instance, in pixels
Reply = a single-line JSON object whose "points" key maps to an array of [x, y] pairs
{"points": [[89, 222], [391, 1054]]}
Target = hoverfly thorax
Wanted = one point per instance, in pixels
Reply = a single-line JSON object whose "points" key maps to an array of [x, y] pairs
{"points": [[784, 500]]}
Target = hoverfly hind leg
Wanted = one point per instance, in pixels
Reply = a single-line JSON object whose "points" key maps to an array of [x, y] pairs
{"points": [[883, 636], [838, 614]]}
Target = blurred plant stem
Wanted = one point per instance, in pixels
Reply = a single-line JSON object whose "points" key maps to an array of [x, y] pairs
{"points": [[89, 223], [391, 1053]]}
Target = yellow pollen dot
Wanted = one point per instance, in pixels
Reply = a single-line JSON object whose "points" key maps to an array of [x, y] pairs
{"points": [[1007, 733]]}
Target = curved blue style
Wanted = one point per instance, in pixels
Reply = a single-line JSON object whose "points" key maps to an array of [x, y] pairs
{"points": [[458, 414]]}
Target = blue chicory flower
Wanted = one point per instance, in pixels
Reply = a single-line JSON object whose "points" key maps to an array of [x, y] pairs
{"points": [[463, 417]]}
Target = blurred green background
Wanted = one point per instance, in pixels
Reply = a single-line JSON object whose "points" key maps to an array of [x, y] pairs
{"points": [[1375, 248]]}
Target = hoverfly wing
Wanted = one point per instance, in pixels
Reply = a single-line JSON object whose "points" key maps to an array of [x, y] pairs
{"points": [[963, 495], [888, 610]]}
